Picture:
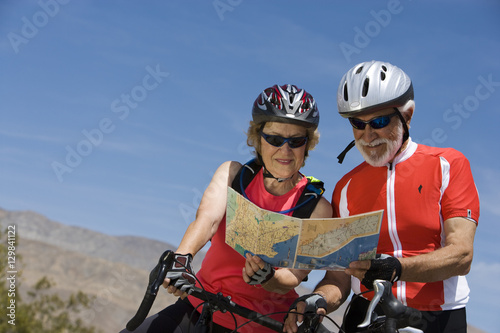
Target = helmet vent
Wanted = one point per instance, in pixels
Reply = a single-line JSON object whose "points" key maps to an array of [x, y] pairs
{"points": [[382, 76], [384, 68], [359, 70], [346, 97], [366, 85]]}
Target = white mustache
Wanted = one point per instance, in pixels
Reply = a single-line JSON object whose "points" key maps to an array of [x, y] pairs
{"points": [[374, 143]]}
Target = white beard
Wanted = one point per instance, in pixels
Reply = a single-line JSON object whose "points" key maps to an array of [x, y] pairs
{"points": [[392, 147]]}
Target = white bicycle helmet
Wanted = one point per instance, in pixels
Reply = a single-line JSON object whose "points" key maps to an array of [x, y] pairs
{"points": [[372, 86]]}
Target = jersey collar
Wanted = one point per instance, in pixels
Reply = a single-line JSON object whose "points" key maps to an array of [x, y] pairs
{"points": [[411, 147]]}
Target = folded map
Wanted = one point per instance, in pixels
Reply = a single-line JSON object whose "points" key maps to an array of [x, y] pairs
{"points": [[286, 241]]}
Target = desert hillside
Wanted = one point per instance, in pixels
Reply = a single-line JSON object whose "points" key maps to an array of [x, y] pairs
{"points": [[113, 269]]}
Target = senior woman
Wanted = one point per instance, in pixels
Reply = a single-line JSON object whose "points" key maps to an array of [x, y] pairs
{"points": [[282, 131]]}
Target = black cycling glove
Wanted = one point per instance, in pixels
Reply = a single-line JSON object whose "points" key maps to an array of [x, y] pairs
{"points": [[382, 268], [262, 275], [313, 303], [181, 274]]}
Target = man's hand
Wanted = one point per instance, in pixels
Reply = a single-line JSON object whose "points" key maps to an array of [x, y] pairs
{"points": [[384, 267], [358, 268]]}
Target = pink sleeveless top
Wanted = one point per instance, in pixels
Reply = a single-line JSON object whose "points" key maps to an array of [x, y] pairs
{"points": [[221, 270]]}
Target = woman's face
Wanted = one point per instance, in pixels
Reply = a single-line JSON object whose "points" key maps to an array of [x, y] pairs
{"points": [[283, 162]]}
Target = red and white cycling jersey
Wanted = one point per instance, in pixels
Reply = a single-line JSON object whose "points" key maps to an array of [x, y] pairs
{"points": [[422, 188]]}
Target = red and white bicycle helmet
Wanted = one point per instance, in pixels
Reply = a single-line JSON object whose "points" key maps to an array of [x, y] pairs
{"points": [[372, 86], [286, 104]]}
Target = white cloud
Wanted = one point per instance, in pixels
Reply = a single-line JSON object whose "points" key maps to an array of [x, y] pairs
{"points": [[30, 136]]}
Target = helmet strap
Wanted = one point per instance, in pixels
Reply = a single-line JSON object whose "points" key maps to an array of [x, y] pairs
{"points": [[266, 172], [345, 151], [406, 132]]}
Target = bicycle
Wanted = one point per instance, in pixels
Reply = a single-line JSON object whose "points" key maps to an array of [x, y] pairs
{"points": [[396, 319]]}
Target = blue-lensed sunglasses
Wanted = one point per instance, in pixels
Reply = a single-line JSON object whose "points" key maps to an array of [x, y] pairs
{"points": [[278, 141], [375, 123]]}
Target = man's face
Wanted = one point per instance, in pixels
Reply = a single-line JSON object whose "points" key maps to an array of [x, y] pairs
{"points": [[379, 146]]}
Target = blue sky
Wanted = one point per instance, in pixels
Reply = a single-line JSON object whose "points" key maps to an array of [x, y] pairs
{"points": [[115, 114]]}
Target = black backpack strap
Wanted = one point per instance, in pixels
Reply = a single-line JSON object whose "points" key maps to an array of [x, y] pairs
{"points": [[249, 170], [309, 198]]}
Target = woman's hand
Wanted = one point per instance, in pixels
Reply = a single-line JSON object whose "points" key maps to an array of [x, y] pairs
{"points": [[180, 279], [256, 270]]}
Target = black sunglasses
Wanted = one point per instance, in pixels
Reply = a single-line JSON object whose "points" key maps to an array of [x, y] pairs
{"points": [[375, 123], [278, 141]]}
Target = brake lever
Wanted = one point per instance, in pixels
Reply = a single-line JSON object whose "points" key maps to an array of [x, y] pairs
{"points": [[390, 305], [309, 325], [380, 289], [158, 274]]}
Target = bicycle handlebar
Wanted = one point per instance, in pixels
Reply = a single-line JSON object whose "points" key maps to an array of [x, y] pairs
{"points": [[156, 278], [224, 303], [397, 314]]}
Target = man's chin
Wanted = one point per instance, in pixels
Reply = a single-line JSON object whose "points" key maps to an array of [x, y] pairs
{"points": [[375, 160], [379, 157], [375, 163]]}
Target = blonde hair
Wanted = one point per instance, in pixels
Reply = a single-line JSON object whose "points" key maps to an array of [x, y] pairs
{"points": [[253, 138]]}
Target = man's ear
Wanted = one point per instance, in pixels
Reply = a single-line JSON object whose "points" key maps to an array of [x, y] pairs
{"points": [[410, 115], [408, 112]]}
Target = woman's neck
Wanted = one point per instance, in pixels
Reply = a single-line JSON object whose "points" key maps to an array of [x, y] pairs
{"points": [[277, 188]]}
